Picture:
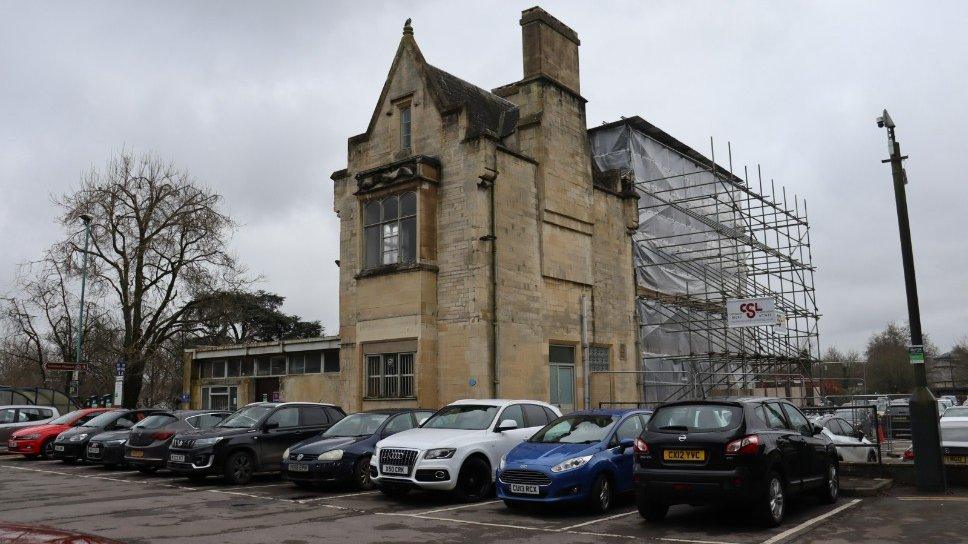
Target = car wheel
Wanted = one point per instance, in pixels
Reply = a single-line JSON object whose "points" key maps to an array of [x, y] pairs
{"points": [[147, 470], [831, 485], [394, 491], [239, 468], [47, 450], [473, 480], [362, 474], [652, 510], [772, 506], [600, 496], [872, 456]]}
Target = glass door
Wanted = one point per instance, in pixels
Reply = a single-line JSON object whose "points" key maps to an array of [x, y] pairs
{"points": [[563, 387]]}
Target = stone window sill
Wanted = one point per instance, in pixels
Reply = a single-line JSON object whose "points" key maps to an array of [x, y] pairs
{"points": [[398, 268]]}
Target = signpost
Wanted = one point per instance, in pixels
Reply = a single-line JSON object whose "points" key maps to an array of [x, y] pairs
{"points": [[119, 382], [65, 367], [751, 312]]}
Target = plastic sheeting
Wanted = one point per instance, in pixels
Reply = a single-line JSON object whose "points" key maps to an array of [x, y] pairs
{"points": [[664, 180]]}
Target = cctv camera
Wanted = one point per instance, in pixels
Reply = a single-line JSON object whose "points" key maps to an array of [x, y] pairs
{"points": [[880, 122]]}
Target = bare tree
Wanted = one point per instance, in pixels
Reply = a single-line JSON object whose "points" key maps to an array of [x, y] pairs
{"points": [[158, 245]]}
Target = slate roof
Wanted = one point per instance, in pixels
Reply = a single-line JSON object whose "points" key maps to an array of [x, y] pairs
{"points": [[486, 111]]}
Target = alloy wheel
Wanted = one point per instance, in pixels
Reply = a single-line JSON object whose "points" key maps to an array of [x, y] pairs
{"points": [[776, 499], [833, 484], [241, 467], [48, 449], [472, 483], [604, 495]]}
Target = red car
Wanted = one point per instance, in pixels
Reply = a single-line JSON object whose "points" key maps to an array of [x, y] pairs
{"points": [[39, 441]]}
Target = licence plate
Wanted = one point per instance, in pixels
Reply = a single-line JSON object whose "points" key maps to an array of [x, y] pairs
{"points": [[137, 453], [956, 459], [58, 448], [524, 489], [177, 458], [12, 445], [298, 467], [693, 456], [93, 449], [395, 469]]}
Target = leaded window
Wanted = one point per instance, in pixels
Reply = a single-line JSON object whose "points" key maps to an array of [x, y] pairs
{"points": [[390, 230]]}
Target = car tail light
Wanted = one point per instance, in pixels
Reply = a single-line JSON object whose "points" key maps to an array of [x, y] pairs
{"points": [[748, 445], [163, 435], [640, 447]]}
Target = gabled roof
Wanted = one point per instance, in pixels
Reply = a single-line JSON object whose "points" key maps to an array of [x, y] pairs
{"points": [[486, 111]]}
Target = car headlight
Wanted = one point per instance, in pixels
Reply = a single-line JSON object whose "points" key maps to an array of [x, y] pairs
{"points": [[504, 461], [285, 454], [78, 437], [331, 455], [34, 436], [201, 442], [116, 442], [440, 453], [571, 464]]}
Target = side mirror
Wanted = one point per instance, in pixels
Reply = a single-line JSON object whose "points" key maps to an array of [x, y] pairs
{"points": [[626, 443], [506, 425], [858, 434], [266, 427], [817, 429]]}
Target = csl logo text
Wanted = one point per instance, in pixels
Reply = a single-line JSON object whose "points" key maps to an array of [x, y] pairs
{"points": [[750, 309]]}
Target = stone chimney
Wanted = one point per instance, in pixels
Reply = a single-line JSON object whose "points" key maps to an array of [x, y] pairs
{"points": [[550, 48]]}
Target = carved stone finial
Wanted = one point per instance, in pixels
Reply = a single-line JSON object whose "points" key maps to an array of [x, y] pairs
{"points": [[407, 29]]}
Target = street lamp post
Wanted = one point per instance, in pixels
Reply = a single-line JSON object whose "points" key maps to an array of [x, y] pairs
{"points": [[925, 434], [79, 340]]}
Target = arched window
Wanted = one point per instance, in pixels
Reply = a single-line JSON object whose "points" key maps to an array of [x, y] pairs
{"points": [[390, 230]]}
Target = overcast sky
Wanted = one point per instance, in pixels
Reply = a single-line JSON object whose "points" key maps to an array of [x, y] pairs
{"points": [[257, 100]]}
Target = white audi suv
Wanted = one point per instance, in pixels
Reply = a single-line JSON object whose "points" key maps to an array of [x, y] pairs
{"points": [[458, 448]]}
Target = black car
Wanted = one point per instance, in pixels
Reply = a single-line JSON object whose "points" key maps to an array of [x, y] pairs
{"points": [[71, 445], [147, 446], [756, 451], [251, 440], [342, 453]]}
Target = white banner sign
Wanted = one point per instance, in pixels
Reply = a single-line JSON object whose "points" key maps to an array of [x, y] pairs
{"points": [[751, 312], [118, 390]]}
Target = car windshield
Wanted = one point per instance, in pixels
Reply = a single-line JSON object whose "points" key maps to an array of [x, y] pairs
{"points": [[956, 411], [696, 418], [246, 418], [102, 420], [954, 434], [356, 425], [575, 429], [155, 421], [462, 416], [66, 418]]}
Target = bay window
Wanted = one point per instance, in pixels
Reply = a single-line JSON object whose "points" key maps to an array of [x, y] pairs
{"points": [[390, 230]]}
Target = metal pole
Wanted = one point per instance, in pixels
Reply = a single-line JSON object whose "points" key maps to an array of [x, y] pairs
{"points": [[79, 341], [925, 433]]}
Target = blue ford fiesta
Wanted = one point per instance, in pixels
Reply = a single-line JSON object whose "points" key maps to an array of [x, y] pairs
{"points": [[583, 456]]}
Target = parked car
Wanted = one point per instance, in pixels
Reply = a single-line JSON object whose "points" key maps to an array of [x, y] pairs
{"points": [[343, 452], [107, 448], [148, 443], [70, 446], [955, 411], [250, 440], [39, 441], [580, 457], [757, 451], [848, 440], [954, 440], [943, 404], [16, 417], [458, 448]]}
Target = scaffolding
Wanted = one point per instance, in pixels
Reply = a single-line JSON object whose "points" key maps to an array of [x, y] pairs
{"points": [[706, 235]]}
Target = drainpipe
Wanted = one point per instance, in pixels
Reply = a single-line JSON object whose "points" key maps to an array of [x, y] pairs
{"points": [[487, 182], [586, 366]]}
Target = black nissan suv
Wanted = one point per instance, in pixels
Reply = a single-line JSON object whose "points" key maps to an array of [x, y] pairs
{"points": [[756, 451], [250, 440]]}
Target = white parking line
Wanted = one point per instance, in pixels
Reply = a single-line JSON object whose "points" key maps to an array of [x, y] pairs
{"points": [[792, 531], [469, 522], [268, 485], [954, 499], [331, 497], [448, 509], [616, 516]]}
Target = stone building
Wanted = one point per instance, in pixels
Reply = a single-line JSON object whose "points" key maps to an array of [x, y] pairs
{"points": [[491, 245], [480, 256]]}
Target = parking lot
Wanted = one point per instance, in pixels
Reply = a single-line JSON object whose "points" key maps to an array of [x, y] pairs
{"points": [[133, 507]]}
